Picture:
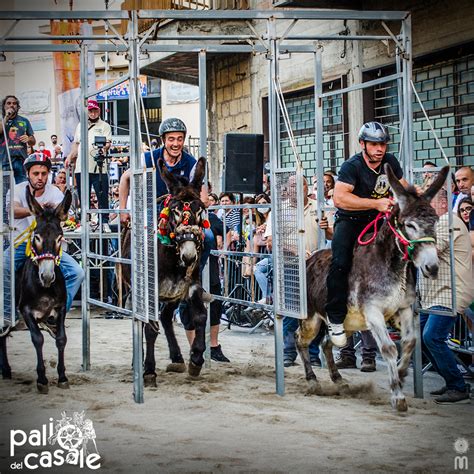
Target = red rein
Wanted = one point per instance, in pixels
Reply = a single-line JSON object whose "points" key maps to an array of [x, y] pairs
{"points": [[381, 215]]}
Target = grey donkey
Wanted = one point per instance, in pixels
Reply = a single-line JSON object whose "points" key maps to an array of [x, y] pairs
{"points": [[381, 284]]}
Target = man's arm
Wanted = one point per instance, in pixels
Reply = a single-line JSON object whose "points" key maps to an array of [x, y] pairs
{"points": [[72, 157], [344, 199], [20, 212], [124, 191]]}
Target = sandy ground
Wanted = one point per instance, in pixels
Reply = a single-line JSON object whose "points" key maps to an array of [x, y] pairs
{"points": [[230, 419]]}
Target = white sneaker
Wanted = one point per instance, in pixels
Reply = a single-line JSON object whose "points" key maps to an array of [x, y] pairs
{"points": [[337, 334], [106, 228]]}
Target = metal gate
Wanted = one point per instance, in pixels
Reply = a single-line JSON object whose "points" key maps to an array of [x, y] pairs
{"points": [[7, 252]]}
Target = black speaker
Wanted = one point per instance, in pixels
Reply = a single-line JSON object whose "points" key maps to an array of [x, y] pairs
{"points": [[243, 163]]}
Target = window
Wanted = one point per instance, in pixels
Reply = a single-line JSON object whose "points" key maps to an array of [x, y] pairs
{"points": [[300, 107], [446, 89]]}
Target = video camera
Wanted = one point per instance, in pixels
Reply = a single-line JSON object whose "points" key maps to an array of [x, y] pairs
{"points": [[99, 143]]}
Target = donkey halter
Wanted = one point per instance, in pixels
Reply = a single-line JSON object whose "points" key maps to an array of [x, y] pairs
{"points": [[183, 231], [27, 236], [409, 245]]}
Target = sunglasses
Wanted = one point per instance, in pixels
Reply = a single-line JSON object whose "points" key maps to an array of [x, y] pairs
{"points": [[466, 209]]}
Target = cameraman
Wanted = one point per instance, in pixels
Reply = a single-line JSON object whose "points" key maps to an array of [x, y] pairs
{"points": [[19, 135], [97, 130]]}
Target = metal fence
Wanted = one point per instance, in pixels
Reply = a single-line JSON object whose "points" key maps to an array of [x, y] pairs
{"points": [[7, 251]]}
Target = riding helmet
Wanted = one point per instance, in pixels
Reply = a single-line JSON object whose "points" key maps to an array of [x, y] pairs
{"points": [[374, 132], [172, 125], [37, 158]]}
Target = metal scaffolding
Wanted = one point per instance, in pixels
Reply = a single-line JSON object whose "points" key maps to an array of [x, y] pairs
{"points": [[272, 45]]}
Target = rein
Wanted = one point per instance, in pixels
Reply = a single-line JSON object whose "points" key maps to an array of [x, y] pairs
{"points": [[409, 245]]}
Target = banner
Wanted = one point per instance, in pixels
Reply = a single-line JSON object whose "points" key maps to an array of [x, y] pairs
{"points": [[67, 78], [122, 90]]}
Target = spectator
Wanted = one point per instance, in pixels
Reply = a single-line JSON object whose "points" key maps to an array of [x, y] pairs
{"points": [[42, 148], [232, 216], [54, 144], [212, 200], [347, 358], [428, 176], [464, 180], [96, 127], [464, 210], [329, 183], [435, 293], [19, 135], [60, 180]]}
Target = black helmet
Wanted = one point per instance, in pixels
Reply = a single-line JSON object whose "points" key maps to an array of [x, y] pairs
{"points": [[37, 158], [172, 125], [374, 132]]}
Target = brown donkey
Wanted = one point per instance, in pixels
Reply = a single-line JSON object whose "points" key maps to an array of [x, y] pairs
{"points": [[381, 284]]}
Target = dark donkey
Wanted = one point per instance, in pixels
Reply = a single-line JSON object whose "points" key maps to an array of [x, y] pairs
{"points": [[183, 219], [381, 284], [40, 290]]}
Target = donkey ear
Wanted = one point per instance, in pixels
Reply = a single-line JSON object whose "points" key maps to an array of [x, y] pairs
{"points": [[171, 182], [437, 184], [199, 173], [62, 210], [33, 204], [397, 188]]}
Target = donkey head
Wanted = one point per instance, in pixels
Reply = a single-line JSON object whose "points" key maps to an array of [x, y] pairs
{"points": [[185, 213], [416, 219], [46, 238]]}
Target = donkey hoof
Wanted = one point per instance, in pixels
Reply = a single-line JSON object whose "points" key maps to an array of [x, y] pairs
{"points": [[42, 388], [193, 369], [150, 380], [63, 385], [178, 367], [314, 387], [400, 404]]}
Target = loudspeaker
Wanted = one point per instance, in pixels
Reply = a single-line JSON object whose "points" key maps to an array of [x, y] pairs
{"points": [[243, 163]]}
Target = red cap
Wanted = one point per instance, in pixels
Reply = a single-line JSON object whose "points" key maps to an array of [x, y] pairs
{"points": [[92, 104]]}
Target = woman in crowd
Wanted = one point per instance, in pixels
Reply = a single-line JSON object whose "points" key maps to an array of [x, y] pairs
{"points": [[464, 210]]}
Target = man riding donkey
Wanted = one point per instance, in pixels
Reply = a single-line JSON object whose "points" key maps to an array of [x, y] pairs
{"points": [[361, 192], [181, 164], [37, 167]]}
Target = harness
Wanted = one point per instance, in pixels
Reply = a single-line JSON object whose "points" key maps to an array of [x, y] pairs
{"points": [[184, 231], [27, 236], [409, 245]]}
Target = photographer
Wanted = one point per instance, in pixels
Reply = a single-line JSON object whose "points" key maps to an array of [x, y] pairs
{"points": [[99, 139], [19, 136]]}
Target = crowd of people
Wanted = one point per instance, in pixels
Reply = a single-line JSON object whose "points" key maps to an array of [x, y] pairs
{"points": [[358, 193]]}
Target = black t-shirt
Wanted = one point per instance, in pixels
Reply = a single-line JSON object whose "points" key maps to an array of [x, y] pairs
{"points": [[368, 183]]}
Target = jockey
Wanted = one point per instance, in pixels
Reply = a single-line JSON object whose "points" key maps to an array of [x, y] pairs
{"points": [[178, 161], [37, 167], [361, 191]]}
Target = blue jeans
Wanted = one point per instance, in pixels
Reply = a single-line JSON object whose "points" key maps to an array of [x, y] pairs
{"points": [[262, 269], [435, 330], [71, 270], [290, 325], [19, 172]]}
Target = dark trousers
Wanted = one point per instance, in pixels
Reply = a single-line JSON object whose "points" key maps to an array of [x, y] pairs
{"points": [[101, 188], [345, 236], [369, 347]]}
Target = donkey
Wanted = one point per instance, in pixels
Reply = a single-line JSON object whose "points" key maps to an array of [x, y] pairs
{"points": [[40, 290], [183, 219], [381, 284]]}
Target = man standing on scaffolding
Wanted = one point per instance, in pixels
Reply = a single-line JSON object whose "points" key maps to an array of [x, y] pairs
{"points": [[361, 191]]}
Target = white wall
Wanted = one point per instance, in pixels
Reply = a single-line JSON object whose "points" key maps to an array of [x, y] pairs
{"points": [[188, 112]]}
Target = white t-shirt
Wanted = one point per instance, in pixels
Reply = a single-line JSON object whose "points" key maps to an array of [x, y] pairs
{"points": [[98, 129], [52, 195]]}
